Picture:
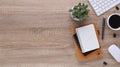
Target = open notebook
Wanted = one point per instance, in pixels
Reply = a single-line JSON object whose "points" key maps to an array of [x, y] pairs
{"points": [[87, 38]]}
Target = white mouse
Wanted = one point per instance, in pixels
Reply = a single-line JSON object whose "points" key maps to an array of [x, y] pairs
{"points": [[115, 52]]}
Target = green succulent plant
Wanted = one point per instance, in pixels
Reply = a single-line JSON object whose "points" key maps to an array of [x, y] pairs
{"points": [[80, 11]]}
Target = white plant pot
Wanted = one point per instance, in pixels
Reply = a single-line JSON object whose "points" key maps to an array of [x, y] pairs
{"points": [[75, 19]]}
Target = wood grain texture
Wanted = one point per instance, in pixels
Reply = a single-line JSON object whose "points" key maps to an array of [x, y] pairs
{"points": [[37, 33]]}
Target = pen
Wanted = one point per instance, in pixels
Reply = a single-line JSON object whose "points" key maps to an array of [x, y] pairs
{"points": [[103, 28]]}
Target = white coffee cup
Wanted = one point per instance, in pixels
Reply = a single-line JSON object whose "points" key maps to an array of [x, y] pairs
{"points": [[112, 23]]}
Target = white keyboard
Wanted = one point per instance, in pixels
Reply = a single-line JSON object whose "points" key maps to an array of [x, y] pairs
{"points": [[101, 6]]}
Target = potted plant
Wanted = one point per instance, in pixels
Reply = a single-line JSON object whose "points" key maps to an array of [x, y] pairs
{"points": [[79, 12]]}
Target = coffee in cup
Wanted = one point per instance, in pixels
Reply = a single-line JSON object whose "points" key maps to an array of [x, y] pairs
{"points": [[113, 21]]}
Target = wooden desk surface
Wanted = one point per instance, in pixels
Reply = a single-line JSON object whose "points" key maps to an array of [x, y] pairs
{"points": [[37, 33]]}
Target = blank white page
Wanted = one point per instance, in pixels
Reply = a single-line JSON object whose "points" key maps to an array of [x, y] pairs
{"points": [[87, 38]]}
